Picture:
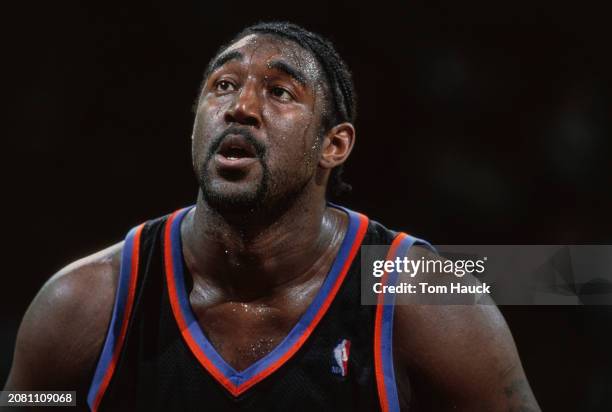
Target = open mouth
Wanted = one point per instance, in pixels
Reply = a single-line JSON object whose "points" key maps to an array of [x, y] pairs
{"points": [[235, 147], [235, 156]]}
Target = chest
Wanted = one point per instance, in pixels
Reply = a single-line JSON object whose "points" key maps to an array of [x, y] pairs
{"points": [[244, 332]]}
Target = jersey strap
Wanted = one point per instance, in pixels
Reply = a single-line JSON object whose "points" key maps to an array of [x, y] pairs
{"points": [[383, 328], [122, 309], [237, 382]]}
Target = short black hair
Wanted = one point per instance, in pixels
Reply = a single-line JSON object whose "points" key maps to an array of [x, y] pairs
{"points": [[341, 90]]}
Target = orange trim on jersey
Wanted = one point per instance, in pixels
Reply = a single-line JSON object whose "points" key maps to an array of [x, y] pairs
{"points": [[378, 360], [124, 321], [174, 303]]}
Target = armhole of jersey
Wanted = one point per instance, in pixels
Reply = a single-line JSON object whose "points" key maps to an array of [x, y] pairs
{"points": [[383, 328], [122, 309]]}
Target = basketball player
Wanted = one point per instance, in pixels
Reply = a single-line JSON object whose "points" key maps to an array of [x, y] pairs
{"points": [[250, 300]]}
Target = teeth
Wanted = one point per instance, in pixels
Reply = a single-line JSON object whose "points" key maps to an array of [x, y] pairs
{"points": [[232, 158]]}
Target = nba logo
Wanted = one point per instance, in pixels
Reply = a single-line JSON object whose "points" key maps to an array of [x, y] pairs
{"points": [[341, 355]]}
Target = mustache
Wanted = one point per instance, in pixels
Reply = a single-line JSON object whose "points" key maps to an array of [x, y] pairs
{"points": [[260, 148]]}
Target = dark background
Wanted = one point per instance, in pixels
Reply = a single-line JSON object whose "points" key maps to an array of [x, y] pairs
{"points": [[478, 123]]}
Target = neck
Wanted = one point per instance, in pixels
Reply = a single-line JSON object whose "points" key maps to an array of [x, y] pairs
{"points": [[257, 256]]}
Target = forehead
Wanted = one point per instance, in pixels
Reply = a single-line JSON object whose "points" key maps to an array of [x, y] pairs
{"points": [[264, 49]]}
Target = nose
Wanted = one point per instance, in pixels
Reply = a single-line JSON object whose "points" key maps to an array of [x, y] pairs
{"points": [[246, 108]]}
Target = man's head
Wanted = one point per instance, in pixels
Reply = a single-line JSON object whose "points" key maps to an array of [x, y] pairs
{"points": [[274, 119]]}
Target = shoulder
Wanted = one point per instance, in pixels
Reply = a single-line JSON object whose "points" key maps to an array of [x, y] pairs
{"points": [[63, 329], [463, 355]]}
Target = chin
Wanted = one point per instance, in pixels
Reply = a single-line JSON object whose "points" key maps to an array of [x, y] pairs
{"points": [[234, 197]]}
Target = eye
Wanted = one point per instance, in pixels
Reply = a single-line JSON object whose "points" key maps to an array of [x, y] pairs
{"points": [[224, 86], [281, 94]]}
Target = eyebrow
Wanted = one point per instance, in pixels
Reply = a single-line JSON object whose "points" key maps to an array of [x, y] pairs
{"points": [[222, 59], [289, 70]]}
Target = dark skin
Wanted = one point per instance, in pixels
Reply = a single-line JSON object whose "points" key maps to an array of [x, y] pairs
{"points": [[253, 277]]}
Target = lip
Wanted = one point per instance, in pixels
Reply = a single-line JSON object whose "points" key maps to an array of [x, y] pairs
{"points": [[234, 163], [236, 146]]}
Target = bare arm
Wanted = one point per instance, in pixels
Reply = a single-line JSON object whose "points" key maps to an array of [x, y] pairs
{"points": [[62, 331], [459, 358]]}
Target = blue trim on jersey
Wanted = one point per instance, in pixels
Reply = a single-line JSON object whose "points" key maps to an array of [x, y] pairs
{"points": [[271, 358], [114, 328], [387, 325]]}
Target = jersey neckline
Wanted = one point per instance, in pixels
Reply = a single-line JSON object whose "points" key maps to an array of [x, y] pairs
{"points": [[237, 382]]}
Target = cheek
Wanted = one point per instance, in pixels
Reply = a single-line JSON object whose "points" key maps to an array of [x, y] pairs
{"points": [[294, 137], [206, 125], [209, 113], [293, 126]]}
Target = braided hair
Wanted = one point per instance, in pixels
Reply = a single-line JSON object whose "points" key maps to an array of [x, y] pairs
{"points": [[342, 100]]}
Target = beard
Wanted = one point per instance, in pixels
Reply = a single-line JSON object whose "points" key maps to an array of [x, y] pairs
{"points": [[222, 198], [220, 194], [272, 193]]}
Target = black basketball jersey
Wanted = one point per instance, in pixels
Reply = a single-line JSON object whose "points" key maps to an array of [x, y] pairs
{"points": [[155, 357]]}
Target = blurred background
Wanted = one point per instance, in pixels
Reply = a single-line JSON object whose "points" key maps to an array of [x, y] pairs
{"points": [[479, 123]]}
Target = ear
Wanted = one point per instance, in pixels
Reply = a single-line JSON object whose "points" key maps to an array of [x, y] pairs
{"points": [[337, 145]]}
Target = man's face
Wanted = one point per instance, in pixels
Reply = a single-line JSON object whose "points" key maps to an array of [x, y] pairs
{"points": [[256, 134]]}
